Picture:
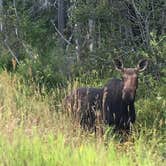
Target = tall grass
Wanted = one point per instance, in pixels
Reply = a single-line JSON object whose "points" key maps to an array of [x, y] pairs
{"points": [[34, 131], [51, 150]]}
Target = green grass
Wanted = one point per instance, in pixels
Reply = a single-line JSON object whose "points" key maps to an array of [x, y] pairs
{"points": [[54, 150], [34, 131]]}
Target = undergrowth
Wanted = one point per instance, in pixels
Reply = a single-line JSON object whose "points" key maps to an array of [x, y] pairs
{"points": [[34, 131]]}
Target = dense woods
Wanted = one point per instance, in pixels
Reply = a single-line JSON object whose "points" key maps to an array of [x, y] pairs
{"points": [[48, 48], [60, 39]]}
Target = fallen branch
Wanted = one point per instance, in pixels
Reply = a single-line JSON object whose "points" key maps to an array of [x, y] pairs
{"points": [[61, 35]]}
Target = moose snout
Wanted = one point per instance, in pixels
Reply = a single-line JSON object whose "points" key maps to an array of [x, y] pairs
{"points": [[128, 95]]}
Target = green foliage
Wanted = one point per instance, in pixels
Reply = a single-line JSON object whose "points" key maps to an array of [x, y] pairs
{"points": [[5, 61], [34, 133], [129, 30], [47, 72]]}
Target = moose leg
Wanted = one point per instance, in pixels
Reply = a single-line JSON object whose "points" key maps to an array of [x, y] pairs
{"points": [[131, 117], [108, 117], [132, 114]]}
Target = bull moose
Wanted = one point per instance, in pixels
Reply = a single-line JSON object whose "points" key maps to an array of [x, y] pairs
{"points": [[113, 104]]}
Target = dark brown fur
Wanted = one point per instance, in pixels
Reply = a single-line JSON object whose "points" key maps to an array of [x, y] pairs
{"points": [[119, 97], [85, 104], [112, 105]]}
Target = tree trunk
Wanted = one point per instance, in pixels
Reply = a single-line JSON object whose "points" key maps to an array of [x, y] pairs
{"points": [[61, 19], [17, 42], [77, 42], [163, 21], [1, 15], [91, 34]]}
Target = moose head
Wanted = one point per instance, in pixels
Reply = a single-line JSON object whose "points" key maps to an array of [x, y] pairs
{"points": [[130, 79]]}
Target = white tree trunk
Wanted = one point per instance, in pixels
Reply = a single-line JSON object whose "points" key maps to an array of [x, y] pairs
{"points": [[61, 18], [91, 34], [77, 42]]}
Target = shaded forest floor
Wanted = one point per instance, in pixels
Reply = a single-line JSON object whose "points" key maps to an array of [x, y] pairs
{"points": [[33, 131]]}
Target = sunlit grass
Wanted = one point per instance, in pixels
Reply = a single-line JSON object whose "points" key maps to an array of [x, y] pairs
{"points": [[34, 131]]}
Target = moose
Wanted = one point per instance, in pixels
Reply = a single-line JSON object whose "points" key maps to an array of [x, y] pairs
{"points": [[111, 105], [119, 96]]}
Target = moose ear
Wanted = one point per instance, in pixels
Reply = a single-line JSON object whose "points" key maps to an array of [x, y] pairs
{"points": [[118, 64], [142, 65]]}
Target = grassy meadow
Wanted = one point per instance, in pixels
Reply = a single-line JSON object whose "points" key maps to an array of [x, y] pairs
{"points": [[34, 131]]}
